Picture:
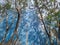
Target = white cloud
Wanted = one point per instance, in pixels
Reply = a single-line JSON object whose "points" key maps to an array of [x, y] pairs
{"points": [[2, 1], [58, 0]]}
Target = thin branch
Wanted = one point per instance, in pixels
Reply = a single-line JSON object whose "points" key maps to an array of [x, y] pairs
{"points": [[41, 16]]}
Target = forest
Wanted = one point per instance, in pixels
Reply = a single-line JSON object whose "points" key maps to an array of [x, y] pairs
{"points": [[29, 22]]}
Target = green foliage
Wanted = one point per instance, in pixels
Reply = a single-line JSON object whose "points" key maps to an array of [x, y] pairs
{"points": [[52, 20], [0, 7], [7, 6], [52, 0], [57, 14], [49, 17]]}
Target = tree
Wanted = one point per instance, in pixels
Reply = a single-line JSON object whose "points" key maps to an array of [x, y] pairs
{"points": [[17, 15]]}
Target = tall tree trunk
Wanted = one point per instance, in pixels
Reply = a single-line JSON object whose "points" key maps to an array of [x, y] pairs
{"points": [[59, 30], [48, 34]]}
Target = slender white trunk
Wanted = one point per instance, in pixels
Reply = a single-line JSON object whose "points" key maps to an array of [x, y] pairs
{"points": [[26, 38]]}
